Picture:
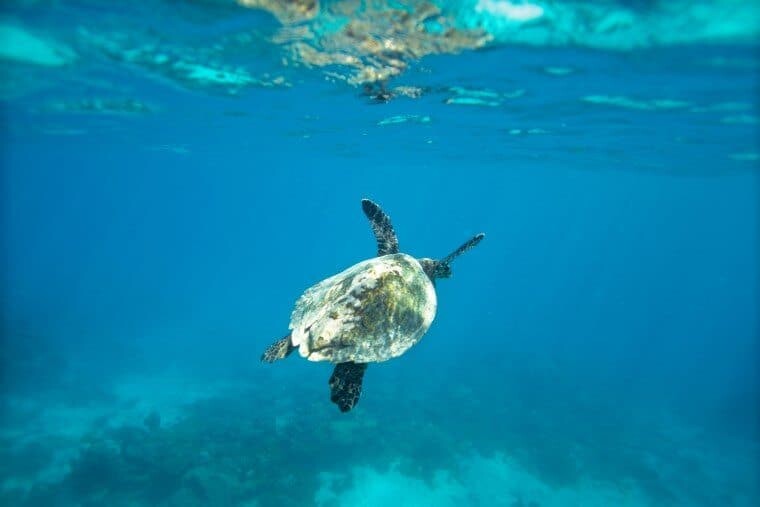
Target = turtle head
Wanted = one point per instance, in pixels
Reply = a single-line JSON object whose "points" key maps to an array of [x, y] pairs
{"points": [[442, 268], [434, 269]]}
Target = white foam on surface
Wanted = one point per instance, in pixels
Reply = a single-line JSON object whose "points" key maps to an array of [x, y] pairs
{"points": [[610, 25], [20, 45]]}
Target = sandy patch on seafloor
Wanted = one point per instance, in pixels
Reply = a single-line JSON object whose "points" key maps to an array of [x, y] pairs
{"points": [[497, 481]]}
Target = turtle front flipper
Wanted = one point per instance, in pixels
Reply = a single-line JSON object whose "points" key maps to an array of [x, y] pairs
{"points": [[387, 242], [278, 350], [346, 384]]}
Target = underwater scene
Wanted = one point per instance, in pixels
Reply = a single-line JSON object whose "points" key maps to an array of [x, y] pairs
{"points": [[373, 253]]}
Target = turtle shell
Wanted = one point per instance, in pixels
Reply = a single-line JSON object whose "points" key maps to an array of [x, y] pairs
{"points": [[371, 312]]}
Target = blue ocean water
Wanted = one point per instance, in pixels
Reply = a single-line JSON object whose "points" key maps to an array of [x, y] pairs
{"points": [[176, 174]]}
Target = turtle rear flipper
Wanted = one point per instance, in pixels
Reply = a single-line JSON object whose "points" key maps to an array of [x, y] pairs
{"points": [[278, 350], [346, 384]]}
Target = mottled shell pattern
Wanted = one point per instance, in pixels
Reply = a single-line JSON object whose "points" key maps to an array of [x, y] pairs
{"points": [[371, 312]]}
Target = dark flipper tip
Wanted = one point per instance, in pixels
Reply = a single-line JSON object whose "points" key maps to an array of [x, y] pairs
{"points": [[369, 207]]}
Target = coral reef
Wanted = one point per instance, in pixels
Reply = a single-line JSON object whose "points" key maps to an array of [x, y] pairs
{"points": [[269, 447]]}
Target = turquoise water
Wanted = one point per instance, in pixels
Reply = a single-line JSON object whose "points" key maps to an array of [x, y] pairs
{"points": [[176, 174]]}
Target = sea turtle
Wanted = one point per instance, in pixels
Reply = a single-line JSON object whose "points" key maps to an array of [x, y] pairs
{"points": [[371, 312]]}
